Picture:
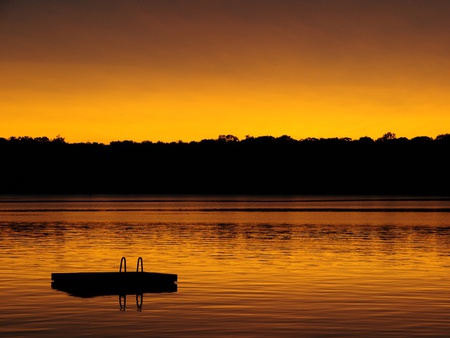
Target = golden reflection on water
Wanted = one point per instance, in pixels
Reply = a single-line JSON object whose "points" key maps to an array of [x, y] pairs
{"points": [[267, 273]]}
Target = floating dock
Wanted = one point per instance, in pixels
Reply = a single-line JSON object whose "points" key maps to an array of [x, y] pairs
{"points": [[91, 284]]}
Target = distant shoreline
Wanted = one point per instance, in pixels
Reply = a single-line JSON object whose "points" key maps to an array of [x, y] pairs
{"points": [[145, 198], [260, 166]]}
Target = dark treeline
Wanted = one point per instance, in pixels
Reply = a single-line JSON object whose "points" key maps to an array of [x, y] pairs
{"points": [[255, 165]]}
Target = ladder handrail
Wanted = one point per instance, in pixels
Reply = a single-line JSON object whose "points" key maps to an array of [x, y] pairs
{"points": [[142, 264], [124, 261]]}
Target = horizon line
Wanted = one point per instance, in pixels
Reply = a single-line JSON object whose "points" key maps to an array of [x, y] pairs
{"points": [[223, 137]]}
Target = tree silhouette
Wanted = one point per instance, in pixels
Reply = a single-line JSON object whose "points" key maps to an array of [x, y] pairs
{"points": [[387, 137], [254, 165]]}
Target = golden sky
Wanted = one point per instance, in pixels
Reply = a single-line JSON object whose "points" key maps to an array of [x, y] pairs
{"points": [[188, 70]]}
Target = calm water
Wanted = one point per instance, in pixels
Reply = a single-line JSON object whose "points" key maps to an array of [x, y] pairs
{"points": [[247, 267]]}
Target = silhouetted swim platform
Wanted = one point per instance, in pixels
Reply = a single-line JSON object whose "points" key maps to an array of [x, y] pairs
{"points": [[91, 284]]}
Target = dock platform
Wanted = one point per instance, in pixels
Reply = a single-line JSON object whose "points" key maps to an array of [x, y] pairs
{"points": [[91, 284]]}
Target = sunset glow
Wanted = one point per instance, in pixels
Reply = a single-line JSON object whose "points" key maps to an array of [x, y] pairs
{"points": [[190, 70]]}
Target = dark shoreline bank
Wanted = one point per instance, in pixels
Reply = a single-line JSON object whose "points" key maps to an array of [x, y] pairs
{"points": [[254, 166]]}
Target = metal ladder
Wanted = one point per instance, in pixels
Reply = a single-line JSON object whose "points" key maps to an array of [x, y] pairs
{"points": [[123, 263]]}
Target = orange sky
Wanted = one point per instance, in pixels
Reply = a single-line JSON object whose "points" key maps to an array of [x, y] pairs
{"points": [[187, 70]]}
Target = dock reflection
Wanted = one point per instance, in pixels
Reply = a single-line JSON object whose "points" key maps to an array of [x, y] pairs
{"points": [[82, 291], [123, 302]]}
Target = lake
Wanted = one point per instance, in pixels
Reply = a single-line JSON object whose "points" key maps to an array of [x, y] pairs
{"points": [[247, 266]]}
